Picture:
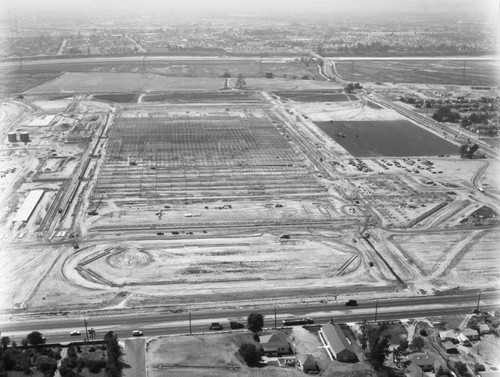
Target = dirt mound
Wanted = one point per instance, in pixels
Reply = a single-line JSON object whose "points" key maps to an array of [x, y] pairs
{"points": [[130, 258]]}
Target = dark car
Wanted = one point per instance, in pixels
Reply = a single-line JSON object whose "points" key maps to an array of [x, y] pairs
{"points": [[236, 325], [351, 303], [216, 326]]}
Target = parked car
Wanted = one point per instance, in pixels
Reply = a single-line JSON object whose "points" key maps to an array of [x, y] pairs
{"points": [[216, 326], [351, 303], [137, 333], [75, 333]]}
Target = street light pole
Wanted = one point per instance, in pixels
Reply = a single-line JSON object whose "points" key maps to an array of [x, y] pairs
{"points": [[376, 310], [86, 330], [478, 299], [190, 332], [275, 317]]}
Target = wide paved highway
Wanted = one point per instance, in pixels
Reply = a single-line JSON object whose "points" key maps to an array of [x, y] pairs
{"points": [[58, 329]]}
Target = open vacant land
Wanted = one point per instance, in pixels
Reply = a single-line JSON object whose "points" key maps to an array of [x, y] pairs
{"points": [[113, 82], [206, 355], [317, 96], [449, 72]]}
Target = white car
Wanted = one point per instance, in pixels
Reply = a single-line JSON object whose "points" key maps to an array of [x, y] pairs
{"points": [[137, 333], [75, 333]]}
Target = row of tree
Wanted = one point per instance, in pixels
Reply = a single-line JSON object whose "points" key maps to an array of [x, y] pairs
{"points": [[351, 87], [444, 114], [27, 359], [467, 151], [249, 351]]}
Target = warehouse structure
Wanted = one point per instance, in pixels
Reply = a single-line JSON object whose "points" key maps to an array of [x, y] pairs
{"points": [[28, 206]]}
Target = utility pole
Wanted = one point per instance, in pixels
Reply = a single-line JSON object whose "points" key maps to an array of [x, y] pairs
{"points": [[86, 330], [190, 332], [477, 307], [465, 72], [376, 310], [275, 317]]}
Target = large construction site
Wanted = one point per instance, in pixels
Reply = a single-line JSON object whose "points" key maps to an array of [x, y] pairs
{"points": [[132, 190]]}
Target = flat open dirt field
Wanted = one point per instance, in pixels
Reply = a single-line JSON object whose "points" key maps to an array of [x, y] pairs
{"points": [[211, 355], [460, 259], [317, 96], [114, 82], [386, 138], [245, 98], [483, 73]]}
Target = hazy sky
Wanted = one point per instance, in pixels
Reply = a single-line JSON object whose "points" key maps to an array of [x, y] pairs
{"points": [[253, 6]]}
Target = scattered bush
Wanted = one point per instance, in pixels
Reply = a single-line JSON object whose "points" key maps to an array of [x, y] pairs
{"points": [[479, 367], [250, 354], [95, 366], [46, 365]]}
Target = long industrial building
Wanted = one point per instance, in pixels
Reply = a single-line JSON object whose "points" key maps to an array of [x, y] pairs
{"points": [[29, 205]]}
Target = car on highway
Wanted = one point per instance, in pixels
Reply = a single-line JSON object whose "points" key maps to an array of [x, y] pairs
{"points": [[75, 333], [216, 326], [137, 333], [351, 303]]}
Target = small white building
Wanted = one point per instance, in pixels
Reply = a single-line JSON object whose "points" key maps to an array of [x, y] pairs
{"points": [[484, 329]]}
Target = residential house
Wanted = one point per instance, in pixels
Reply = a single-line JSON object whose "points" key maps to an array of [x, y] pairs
{"points": [[484, 329], [334, 339], [449, 347], [275, 344], [414, 371], [449, 335], [424, 361], [307, 363], [471, 334]]}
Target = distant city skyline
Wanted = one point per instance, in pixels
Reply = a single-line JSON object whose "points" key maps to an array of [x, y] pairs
{"points": [[486, 7]]}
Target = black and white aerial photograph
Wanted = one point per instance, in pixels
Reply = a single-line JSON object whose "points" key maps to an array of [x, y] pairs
{"points": [[249, 188]]}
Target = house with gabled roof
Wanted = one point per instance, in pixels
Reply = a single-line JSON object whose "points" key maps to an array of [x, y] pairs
{"points": [[423, 360], [471, 334], [307, 363], [449, 347], [275, 344], [336, 342], [449, 335], [484, 329]]}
